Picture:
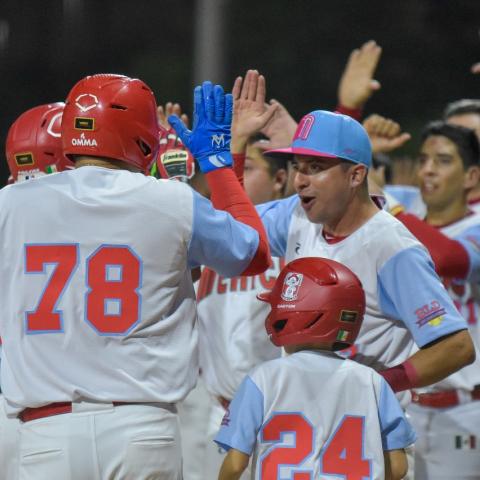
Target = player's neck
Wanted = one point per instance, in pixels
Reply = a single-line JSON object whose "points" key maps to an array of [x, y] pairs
{"points": [[439, 216], [359, 211], [83, 161]]}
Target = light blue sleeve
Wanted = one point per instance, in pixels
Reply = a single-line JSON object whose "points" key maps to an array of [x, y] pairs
{"points": [[410, 291], [470, 239], [219, 241], [396, 431], [276, 216], [243, 419]]}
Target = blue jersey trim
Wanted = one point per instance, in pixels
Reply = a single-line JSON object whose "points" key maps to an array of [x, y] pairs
{"points": [[422, 303], [219, 241], [397, 433]]}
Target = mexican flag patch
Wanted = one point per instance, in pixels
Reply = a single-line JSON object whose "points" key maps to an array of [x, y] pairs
{"points": [[465, 442]]}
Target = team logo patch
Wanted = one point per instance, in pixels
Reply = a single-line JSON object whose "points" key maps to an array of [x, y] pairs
{"points": [[226, 418], [84, 123], [348, 316], [23, 159], [86, 101], [218, 141], [431, 313], [291, 286]]}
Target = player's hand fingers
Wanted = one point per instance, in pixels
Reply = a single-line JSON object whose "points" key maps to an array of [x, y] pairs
{"points": [[399, 141], [169, 109], [237, 88], [252, 86], [261, 90], [208, 100], [245, 85], [219, 97], [176, 109], [268, 114], [198, 106], [185, 119], [182, 131], [228, 108]]}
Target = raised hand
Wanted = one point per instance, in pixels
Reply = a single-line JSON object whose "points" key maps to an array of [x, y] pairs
{"points": [[209, 140], [357, 83], [250, 113], [385, 134], [170, 109], [280, 129]]}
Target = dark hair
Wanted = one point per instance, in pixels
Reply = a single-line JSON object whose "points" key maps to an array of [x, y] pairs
{"points": [[459, 107], [275, 163], [380, 159], [464, 139]]}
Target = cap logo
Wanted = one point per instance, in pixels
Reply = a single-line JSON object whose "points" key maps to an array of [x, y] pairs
{"points": [[304, 127], [23, 159], [53, 127], [83, 123], [86, 101], [349, 316], [291, 286]]}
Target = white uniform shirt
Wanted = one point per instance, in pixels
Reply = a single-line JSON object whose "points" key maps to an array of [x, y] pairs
{"points": [[466, 297], [405, 299], [315, 413], [97, 298], [232, 335]]}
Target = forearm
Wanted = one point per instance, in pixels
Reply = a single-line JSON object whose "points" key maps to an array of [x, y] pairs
{"points": [[396, 465], [233, 465], [227, 194], [449, 256], [432, 363]]}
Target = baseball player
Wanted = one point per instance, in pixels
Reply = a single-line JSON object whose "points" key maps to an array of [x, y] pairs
{"points": [[33, 149], [101, 343], [232, 339], [334, 217], [447, 415], [314, 414]]}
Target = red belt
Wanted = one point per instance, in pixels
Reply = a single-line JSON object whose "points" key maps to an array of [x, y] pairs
{"points": [[445, 399], [52, 409]]}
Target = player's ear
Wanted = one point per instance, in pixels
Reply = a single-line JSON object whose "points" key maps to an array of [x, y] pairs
{"points": [[472, 177], [358, 174], [280, 184]]}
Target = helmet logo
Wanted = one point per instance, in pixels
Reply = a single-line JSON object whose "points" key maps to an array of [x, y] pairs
{"points": [[84, 142], [86, 101], [53, 126], [291, 285]]}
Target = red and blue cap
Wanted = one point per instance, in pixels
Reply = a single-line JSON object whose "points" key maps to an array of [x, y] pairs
{"points": [[333, 135]]}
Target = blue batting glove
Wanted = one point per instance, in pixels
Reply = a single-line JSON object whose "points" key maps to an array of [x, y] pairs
{"points": [[209, 140]]}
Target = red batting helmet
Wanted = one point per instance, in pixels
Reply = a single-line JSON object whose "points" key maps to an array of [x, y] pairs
{"points": [[315, 300], [34, 144], [111, 116]]}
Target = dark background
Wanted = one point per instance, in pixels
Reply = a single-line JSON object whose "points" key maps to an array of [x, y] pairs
{"points": [[300, 46]]}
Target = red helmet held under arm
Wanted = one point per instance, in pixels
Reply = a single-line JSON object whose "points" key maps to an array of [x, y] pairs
{"points": [[34, 144], [111, 116], [315, 300]]}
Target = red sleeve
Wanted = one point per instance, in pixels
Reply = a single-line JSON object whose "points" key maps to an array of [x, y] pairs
{"points": [[355, 113], [450, 257], [239, 166], [227, 194]]}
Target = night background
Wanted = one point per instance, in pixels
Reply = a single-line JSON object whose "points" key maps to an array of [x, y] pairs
{"points": [[300, 46]]}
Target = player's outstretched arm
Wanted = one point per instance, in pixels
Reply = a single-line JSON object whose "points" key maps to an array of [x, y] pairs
{"points": [[233, 465], [209, 142], [396, 464]]}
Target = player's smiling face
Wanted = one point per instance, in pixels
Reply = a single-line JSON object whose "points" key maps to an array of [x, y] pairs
{"points": [[323, 185], [441, 173]]}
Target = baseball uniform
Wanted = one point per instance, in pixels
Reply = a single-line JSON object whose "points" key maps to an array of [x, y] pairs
{"points": [[232, 340], [315, 415], [451, 430], [384, 255], [104, 262]]}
